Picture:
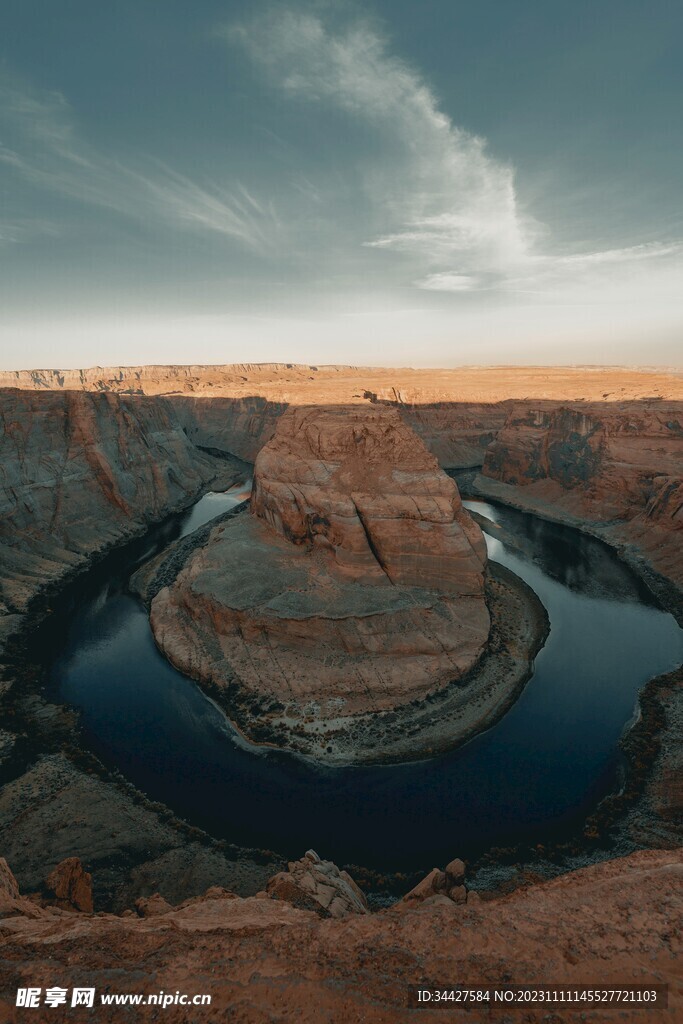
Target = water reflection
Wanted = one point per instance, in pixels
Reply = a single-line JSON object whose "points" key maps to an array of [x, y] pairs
{"points": [[579, 562]]}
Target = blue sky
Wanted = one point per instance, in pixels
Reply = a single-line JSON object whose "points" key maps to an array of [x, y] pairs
{"points": [[391, 183]]}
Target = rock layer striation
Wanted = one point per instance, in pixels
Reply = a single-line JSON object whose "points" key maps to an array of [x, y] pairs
{"points": [[80, 472], [360, 486]]}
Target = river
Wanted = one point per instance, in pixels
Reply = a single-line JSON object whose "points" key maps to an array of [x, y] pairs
{"points": [[530, 779]]}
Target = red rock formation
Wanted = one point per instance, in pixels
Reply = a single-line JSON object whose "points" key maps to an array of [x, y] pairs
{"points": [[80, 472], [607, 926], [356, 484], [355, 587], [319, 885], [456, 412], [615, 464], [69, 887]]}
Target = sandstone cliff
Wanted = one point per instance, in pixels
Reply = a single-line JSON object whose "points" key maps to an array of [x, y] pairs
{"points": [[599, 464], [456, 412], [358, 485], [80, 472]]}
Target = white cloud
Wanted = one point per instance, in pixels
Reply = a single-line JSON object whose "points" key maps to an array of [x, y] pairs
{"points": [[449, 205], [445, 196], [446, 282]]}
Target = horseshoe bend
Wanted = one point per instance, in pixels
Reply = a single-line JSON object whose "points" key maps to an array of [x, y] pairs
{"points": [[418, 562], [355, 589]]}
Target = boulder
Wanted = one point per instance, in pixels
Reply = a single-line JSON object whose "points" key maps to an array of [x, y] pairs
{"points": [[431, 884], [152, 906], [448, 883], [458, 893], [455, 872]]}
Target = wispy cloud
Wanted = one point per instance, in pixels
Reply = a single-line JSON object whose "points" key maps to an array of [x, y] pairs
{"points": [[448, 204], [401, 196], [48, 152], [446, 197], [628, 274]]}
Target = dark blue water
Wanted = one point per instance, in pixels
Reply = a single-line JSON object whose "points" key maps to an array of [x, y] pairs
{"points": [[529, 779]]}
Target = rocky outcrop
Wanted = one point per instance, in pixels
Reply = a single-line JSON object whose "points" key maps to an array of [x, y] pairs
{"points": [[152, 906], [360, 487], [448, 884], [355, 587], [69, 887], [132, 848], [610, 925], [319, 885], [81, 472]]}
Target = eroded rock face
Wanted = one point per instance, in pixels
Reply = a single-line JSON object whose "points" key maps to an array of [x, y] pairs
{"points": [[69, 887], [81, 471], [360, 486], [460, 414], [356, 586], [619, 464]]}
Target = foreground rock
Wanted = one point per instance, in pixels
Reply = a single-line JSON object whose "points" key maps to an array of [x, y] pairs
{"points": [[57, 810], [315, 884], [260, 960], [442, 885], [355, 588]]}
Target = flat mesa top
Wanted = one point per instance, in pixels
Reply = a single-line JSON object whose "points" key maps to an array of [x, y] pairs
{"points": [[313, 384]]}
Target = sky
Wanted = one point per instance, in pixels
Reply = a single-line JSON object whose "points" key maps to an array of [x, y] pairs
{"points": [[431, 183]]}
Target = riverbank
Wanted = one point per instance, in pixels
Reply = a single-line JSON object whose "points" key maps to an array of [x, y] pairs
{"points": [[442, 721], [647, 810], [58, 799]]}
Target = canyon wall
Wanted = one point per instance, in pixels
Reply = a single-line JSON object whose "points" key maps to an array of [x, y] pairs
{"points": [[238, 426], [618, 467], [587, 445], [80, 472], [456, 412]]}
